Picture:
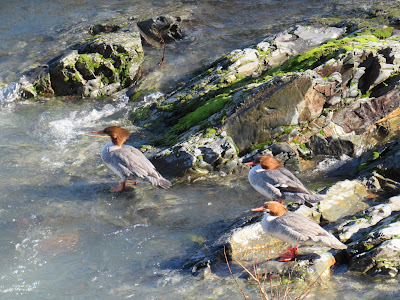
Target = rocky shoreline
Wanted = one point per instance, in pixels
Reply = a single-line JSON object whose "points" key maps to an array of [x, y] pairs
{"points": [[307, 93]]}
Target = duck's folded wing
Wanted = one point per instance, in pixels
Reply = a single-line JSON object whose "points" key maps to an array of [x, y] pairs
{"points": [[264, 182], [302, 228], [138, 164], [287, 182]]}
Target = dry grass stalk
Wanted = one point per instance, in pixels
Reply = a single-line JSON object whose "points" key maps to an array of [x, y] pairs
{"points": [[230, 271], [280, 292]]}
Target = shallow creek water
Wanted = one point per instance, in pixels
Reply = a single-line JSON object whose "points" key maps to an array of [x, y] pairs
{"points": [[63, 235]]}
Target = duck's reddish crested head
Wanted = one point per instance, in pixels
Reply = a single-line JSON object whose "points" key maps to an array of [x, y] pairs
{"points": [[267, 162], [273, 208], [118, 134]]}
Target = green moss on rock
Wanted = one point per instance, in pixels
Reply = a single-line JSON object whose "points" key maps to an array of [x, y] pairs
{"points": [[211, 107], [89, 61], [326, 51], [379, 32], [140, 114], [259, 146]]}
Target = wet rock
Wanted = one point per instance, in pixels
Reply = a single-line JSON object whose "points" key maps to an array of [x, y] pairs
{"points": [[103, 28], [245, 244], [309, 266], [174, 163], [313, 36], [86, 66], [385, 160], [234, 69], [250, 243], [125, 41], [65, 78], [214, 251], [386, 230], [113, 58], [355, 229], [110, 89], [383, 260], [201, 152], [36, 81], [166, 29], [92, 87], [343, 199], [362, 262]]}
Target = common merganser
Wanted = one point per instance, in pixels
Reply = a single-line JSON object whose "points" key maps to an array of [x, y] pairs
{"points": [[127, 161], [271, 179], [294, 229]]}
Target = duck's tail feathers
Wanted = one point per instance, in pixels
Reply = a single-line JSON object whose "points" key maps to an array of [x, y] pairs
{"points": [[164, 183], [333, 242], [160, 182]]}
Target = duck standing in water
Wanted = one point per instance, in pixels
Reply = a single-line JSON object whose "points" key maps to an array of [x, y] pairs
{"points": [[127, 161], [271, 179], [294, 229]]}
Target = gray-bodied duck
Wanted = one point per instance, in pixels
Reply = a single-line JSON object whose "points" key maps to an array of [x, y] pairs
{"points": [[127, 161]]}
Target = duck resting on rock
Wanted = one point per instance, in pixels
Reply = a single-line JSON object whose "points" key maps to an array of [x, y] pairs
{"points": [[127, 161], [294, 229], [271, 179]]}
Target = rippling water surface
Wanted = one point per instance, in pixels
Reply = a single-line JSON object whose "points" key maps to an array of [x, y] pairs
{"points": [[63, 235]]}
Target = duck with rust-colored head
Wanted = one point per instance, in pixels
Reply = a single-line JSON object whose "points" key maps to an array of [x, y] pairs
{"points": [[270, 178], [294, 229], [127, 161]]}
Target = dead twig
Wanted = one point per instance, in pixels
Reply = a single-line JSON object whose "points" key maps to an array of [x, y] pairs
{"points": [[308, 289], [230, 271], [280, 292], [262, 291]]}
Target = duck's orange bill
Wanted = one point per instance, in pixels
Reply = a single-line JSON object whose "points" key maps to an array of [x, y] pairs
{"points": [[249, 163], [261, 208]]}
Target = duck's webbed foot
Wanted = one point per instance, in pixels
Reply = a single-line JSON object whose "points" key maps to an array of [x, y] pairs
{"points": [[118, 188], [131, 182], [289, 254]]}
